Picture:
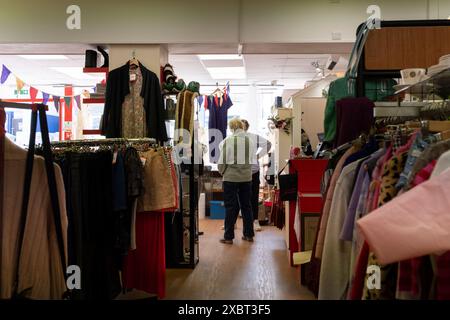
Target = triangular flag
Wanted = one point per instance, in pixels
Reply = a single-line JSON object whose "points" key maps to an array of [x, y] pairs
{"points": [[45, 97], [33, 94], [5, 74], [67, 101], [19, 84], [56, 102], [78, 101]]}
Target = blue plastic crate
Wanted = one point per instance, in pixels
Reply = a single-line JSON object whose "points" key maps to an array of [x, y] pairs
{"points": [[217, 210]]}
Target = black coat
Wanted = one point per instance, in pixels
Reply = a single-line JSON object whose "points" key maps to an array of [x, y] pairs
{"points": [[118, 87]]}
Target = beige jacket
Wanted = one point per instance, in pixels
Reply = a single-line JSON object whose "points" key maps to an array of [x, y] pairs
{"points": [[40, 267]]}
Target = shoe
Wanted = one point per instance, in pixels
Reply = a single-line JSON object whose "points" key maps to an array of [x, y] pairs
{"points": [[249, 239], [225, 241], [223, 227], [257, 226]]}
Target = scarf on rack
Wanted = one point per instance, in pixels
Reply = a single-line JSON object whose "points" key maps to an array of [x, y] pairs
{"points": [[184, 114]]}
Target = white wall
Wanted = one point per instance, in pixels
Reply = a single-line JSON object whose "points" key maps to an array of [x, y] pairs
{"points": [[202, 21], [150, 55]]}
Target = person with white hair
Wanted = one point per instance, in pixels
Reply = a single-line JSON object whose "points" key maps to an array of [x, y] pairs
{"points": [[235, 166], [262, 147]]}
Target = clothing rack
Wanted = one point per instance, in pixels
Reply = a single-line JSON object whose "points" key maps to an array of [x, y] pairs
{"points": [[26, 106], [109, 141]]}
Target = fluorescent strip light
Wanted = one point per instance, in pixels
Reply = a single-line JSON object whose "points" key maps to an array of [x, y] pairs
{"points": [[43, 56], [227, 73], [219, 57], [74, 72]]}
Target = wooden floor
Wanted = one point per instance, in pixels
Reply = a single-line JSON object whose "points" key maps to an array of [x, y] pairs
{"points": [[255, 271]]}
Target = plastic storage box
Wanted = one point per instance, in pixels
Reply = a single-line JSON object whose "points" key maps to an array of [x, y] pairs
{"points": [[217, 210]]}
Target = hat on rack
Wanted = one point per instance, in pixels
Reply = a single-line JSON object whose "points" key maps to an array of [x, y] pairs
{"points": [[180, 85], [168, 87], [194, 86], [168, 68]]}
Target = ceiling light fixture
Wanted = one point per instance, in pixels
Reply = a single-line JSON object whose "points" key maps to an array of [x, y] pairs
{"points": [[74, 72], [219, 57], [227, 73], [43, 56]]}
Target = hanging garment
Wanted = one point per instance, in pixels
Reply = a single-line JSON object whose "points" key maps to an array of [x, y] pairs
{"points": [[145, 267], [342, 88], [357, 282], [389, 179], [160, 191], [134, 122], [418, 146], [411, 273], [40, 268], [412, 225], [118, 88], [184, 114], [218, 120], [334, 271], [354, 116], [92, 222], [360, 188], [433, 152], [327, 203]]}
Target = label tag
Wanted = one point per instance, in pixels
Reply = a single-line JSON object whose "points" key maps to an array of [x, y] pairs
{"points": [[132, 77], [144, 160]]}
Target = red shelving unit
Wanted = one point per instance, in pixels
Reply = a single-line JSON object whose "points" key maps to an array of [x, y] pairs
{"points": [[91, 131], [94, 100], [95, 70]]}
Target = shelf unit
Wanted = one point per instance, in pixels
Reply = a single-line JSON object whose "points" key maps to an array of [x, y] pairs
{"points": [[438, 85], [400, 35], [190, 176], [96, 70], [94, 100]]}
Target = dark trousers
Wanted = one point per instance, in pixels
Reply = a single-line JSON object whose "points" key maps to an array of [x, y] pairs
{"points": [[237, 196], [255, 195]]}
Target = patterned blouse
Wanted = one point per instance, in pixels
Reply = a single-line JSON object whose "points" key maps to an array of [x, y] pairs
{"points": [[133, 112]]}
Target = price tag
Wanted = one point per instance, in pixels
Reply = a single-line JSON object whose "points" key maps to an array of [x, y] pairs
{"points": [[144, 160], [133, 77], [114, 157], [416, 153]]}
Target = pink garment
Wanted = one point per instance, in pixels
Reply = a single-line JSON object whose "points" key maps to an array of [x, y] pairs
{"points": [[376, 179], [414, 224], [328, 200]]}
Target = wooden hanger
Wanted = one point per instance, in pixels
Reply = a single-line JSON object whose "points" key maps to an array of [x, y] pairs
{"points": [[133, 61], [218, 91]]}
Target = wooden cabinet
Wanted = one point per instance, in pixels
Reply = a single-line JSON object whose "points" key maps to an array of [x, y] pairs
{"points": [[396, 48]]}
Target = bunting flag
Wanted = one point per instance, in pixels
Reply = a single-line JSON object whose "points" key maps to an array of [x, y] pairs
{"points": [[5, 74], [33, 94], [78, 101], [19, 84], [56, 102], [45, 97], [67, 101]]}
